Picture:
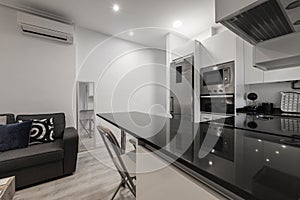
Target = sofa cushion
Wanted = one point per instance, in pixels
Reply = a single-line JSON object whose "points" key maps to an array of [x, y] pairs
{"points": [[31, 156], [59, 122], [14, 136], [10, 118], [3, 120], [42, 131]]}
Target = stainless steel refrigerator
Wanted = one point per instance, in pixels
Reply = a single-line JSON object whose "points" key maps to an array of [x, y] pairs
{"points": [[182, 87]]}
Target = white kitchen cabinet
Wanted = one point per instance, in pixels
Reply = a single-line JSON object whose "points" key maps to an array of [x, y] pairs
{"points": [[253, 75], [281, 75], [186, 49], [218, 49], [157, 179], [226, 47], [277, 49], [281, 48]]}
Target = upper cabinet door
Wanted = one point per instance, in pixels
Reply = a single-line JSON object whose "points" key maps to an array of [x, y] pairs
{"points": [[218, 49], [225, 8], [280, 75], [252, 75], [279, 48]]}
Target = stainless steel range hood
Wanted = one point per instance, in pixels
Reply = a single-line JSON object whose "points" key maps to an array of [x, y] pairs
{"points": [[259, 20]]}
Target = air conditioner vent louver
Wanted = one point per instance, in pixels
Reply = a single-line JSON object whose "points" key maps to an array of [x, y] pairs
{"points": [[261, 23], [45, 28]]}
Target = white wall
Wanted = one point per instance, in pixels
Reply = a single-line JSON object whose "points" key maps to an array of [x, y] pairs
{"points": [[39, 76], [270, 92], [128, 76], [36, 75]]}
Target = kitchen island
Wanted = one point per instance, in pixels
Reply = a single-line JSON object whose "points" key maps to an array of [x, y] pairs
{"points": [[209, 160]]}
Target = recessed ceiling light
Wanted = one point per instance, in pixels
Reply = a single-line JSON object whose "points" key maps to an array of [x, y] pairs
{"points": [[131, 33], [116, 7], [177, 24]]}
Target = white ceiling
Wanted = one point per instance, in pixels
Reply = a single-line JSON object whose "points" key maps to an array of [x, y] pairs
{"points": [[196, 16]]}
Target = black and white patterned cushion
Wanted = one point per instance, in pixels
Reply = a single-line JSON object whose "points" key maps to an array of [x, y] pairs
{"points": [[42, 131]]}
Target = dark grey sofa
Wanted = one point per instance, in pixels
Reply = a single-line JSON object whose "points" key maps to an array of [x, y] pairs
{"points": [[41, 162]]}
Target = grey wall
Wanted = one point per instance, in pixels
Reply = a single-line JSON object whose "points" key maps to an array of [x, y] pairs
{"points": [[270, 92]]}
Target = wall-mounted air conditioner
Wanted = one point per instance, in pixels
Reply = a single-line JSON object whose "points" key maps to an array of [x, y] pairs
{"points": [[45, 28]]}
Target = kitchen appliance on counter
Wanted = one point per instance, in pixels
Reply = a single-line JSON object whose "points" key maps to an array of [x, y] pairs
{"points": [[217, 88], [255, 107], [252, 105], [267, 108], [182, 88], [290, 102]]}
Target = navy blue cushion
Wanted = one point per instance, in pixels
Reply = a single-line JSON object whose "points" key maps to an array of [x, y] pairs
{"points": [[14, 136]]}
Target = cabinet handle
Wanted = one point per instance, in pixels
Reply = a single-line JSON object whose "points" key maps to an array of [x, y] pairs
{"points": [[171, 104], [217, 96]]}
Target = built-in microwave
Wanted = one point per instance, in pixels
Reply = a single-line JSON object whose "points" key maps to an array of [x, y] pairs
{"points": [[218, 79]]}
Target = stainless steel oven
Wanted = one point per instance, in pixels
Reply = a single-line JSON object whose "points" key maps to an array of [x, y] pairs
{"points": [[221, 104], [217, 89], [218, 79]]}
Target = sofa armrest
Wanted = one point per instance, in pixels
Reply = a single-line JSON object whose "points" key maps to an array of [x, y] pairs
{"points": [[70, 145]]}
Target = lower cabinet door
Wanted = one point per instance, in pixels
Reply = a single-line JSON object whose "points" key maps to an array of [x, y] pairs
{"points": [[156, 179]]}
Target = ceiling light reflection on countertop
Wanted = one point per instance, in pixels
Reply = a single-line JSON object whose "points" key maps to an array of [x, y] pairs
{"points": [[177, 24], [131, 33]]}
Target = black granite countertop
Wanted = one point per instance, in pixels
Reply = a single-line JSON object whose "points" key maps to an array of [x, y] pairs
{"points": [[281, 125], [250, 164], [275, 112]]}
